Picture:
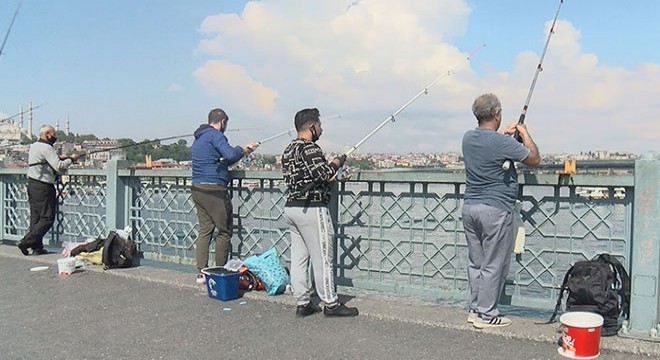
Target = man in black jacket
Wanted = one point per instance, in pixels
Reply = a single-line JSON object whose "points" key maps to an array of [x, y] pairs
{"points": [[308, 176]]}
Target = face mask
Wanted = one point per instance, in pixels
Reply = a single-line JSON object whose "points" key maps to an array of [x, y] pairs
{"points": [[52, 140], [315, 135]]}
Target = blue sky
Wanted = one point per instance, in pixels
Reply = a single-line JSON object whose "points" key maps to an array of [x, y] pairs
{"points": [[149, 69]]}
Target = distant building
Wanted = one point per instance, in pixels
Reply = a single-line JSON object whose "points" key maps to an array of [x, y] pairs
{"points": [[100, 151], [9, 131], [165, 164]]}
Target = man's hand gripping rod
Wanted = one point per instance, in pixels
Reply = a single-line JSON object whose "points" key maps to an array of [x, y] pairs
{"points": [[343, 172], [507, 164]]}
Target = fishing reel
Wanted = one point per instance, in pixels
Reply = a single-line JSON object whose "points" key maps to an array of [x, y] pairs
{"points": [[506, 165], [342, 173], [246, 159]]}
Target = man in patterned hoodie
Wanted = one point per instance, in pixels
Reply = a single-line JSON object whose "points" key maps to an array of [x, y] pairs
{"points": [[308, 176]]}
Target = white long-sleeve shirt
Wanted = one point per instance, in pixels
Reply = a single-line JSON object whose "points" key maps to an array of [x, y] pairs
{"points": [[43, 162]]}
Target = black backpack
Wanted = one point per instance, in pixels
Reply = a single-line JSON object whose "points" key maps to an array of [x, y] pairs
{"points": [[601, 286], [118, 252]]}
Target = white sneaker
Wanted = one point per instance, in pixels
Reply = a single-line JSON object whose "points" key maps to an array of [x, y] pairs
{"points": [[201, 279], [472, 316], [497, 321]]}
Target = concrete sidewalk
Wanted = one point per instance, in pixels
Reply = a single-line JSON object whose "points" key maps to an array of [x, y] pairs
{"points": [[408, 323]]}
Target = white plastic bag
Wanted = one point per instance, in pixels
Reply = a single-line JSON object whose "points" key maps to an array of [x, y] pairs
{"points": [[125, 233]]}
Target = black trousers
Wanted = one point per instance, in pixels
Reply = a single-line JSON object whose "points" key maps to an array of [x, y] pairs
{"points": [[43, 202]]}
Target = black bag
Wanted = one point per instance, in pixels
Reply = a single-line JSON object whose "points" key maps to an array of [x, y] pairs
{"points": [[91, 246], [601, 286], [118, 252]]}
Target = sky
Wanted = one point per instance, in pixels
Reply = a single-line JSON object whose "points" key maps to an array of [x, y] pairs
{"points": [[152, 69]]}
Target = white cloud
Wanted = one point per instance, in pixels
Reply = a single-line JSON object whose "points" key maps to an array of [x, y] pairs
{"points": [[235, 86], [364, 59], [580, 105]]}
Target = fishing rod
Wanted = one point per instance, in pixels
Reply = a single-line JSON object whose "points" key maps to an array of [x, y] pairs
{"points": [[342, 172], [273, 137], [115, 148], [11, 24], [507, 164], [145, 142], [150, 141], [132, 145], [287, 132], [21, 113]]}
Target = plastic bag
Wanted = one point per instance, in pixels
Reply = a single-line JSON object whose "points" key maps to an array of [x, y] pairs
{"points": [[269, 270], [95, 257], [70, 245], [233, 264], [125, 233]]}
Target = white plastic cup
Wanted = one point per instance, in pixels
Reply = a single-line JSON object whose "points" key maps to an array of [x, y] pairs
{"points": [[66, 266]]}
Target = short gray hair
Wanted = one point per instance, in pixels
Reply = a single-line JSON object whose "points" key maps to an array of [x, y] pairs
{"points": [[45, 128], [485, 107]]}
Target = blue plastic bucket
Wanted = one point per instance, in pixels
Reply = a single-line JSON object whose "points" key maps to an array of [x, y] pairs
{"points": [[221, 284]]}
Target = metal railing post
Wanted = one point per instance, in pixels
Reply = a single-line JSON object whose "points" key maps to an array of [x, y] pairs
{"points": [[645, 255], [3, 210], [116, 206]]}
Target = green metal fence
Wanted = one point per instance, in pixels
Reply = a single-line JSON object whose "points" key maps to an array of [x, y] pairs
{"points": [[395, 231]]}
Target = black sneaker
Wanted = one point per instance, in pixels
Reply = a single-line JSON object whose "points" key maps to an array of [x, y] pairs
{"points": [[305, 310], [340, 310], [23, 248], [41, 251]]}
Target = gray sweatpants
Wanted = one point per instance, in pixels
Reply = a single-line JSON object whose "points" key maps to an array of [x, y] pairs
{"points": [[311, 238], [489, 234]]}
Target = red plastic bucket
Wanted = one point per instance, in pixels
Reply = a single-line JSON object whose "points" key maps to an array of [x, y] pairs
{"points": [[581, 338]]}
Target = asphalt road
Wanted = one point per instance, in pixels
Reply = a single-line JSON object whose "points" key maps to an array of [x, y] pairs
{"points": [[97, 315]]}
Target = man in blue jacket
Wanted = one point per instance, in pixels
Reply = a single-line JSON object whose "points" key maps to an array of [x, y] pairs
{"points": [[211, 157]]}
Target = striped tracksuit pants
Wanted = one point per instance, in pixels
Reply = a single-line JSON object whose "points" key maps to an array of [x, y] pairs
{"points": [[311, 239]]}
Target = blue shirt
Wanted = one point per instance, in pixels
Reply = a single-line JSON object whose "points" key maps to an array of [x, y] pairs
{"points": [[208, 147], [484, 152]]}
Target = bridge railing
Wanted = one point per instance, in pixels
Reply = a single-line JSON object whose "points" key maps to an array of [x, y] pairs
{"points": [[395, 231]]}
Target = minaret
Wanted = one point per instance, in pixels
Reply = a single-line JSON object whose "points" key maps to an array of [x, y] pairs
{"points": [[57, 125], [29, 119], [67, 125]]}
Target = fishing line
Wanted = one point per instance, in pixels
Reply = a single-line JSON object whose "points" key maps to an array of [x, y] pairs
{"points": [[507, 164], [151, 141], [343, 172], [135, 144], [273, 137]]}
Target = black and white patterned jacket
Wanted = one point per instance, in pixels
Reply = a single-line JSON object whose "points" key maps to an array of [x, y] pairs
{"points": [[306, 174]]}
